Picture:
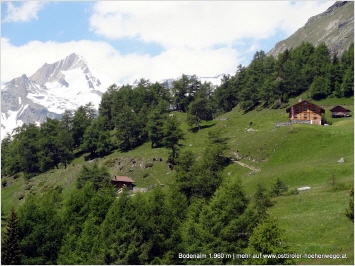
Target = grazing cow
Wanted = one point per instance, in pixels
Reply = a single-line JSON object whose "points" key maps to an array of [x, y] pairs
{"points": [[250, 123], [161, 159], [170, 167], [154, 159]]}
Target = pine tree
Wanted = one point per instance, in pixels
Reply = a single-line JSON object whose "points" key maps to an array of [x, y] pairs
{"points": [[128, 130], [262, 201], [199, 110], [10, 249], [348, 84], [172, 135], [155, 121], [268, 238]]}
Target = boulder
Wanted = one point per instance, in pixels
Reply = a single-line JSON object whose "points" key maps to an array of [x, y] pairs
{"points": [[341, 160]]}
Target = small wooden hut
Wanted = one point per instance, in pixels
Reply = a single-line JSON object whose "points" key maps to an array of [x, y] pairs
{"points": [[121, 181], [340, 111]]}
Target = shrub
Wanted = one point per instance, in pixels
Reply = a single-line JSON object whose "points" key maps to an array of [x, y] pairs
{"points": [[20, 196], [292, 192], [145, 175], [350, 211], [148, 165], [4, 182]]}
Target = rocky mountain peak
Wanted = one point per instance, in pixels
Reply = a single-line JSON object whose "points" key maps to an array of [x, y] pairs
{"points": [[53, 72], [53, 88], [330, 10]]}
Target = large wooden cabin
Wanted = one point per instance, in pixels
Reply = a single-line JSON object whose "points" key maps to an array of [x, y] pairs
{"points": [[306, 111]]}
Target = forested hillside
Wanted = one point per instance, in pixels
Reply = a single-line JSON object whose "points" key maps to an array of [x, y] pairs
{"points": [[207, 208], [129, 117]]}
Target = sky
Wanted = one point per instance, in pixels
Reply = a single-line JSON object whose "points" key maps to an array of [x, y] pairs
{"points": [[155, 40]]}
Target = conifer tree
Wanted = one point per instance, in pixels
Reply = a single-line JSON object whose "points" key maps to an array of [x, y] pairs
{"points": [[268, 238], [172, 135], [199, 110], [10, 249]]}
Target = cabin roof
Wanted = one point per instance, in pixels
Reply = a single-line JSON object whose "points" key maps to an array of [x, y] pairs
{"points": [[344, 109], [122, 179], [301, 102]]}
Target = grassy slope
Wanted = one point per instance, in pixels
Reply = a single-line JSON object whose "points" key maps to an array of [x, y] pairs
{"points": [[305, 155]]}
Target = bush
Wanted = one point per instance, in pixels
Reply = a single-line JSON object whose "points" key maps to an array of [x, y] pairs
{"points": [[20, 196], [292, 192], [349, 212], [145, 175], [4, 182], [148, 165]]}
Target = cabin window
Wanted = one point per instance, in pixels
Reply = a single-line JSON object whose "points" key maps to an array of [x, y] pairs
{"points": [[313, 108], [305, 116], [295, 115], [304, 108], [296, 109]]}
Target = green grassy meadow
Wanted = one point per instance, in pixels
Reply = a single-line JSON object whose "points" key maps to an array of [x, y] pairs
{"points": [[301, 155]]}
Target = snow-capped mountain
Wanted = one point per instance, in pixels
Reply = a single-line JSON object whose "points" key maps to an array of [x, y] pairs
{"points": [[216, 80], [55, 87], [51, 90]]}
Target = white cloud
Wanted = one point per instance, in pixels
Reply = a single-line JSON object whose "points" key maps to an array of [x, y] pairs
{"points": [[199, 24], [188, 31], [25, 12], [26, 59]]}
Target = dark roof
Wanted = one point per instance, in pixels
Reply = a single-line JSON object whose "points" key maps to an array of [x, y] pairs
{"points": [[344, 109], [122, 179], [289, 109]]}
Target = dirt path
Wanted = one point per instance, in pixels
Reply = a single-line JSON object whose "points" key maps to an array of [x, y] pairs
{"points": [[248, 166], [157, 180]]}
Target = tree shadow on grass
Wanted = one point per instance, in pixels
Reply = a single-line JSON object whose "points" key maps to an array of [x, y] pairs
{"points": [[195, 129]]}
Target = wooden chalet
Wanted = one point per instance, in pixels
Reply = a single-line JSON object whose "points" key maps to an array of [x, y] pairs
{"points": [[121, 181], [306, 111], [340, 111]]}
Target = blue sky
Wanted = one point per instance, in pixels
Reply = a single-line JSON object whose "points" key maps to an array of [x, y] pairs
{"points": [[153, 40]]}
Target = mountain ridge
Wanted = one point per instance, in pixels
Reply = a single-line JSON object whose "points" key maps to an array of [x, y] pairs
{"points": [[334, 27]]}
